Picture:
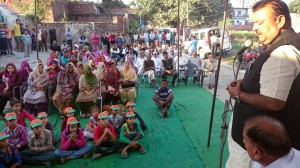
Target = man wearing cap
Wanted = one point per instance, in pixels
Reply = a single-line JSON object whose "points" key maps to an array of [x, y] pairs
{"points": [[47, 125], [73, 143], [130, 106], [131, 134], [40, 145], [105, 137], [18, 134], [163, 97], [9, 156]]}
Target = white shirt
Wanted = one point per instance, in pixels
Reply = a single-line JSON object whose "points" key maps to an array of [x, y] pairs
{"points": [[182, 60], [159, 37], [276, 82], [135, 37], [213, 39], [152, 36], [168, 37], [157, 62], [291, 160], [140, 61]]}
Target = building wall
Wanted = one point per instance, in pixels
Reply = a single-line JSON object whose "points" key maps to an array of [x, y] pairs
{"points": [[240, 12], [238, 21]]}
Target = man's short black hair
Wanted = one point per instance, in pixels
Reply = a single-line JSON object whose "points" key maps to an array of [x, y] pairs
{"points": [[15, 101], [164, 80], [165, 52], [279, 7]]}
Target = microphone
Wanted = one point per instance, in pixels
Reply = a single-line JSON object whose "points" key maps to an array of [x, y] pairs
{"points": [[248, 43]]}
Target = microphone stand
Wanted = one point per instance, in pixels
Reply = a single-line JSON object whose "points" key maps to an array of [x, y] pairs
{"points": [[224, 126]]}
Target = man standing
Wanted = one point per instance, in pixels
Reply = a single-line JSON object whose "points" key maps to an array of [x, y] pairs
{"points": [[271, 84], [52, 34], [8, 39], [17, 34], [69, 38], [44, 40], [104, 41]]}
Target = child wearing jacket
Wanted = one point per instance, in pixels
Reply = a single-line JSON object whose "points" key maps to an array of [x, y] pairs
{"points": [[73, 143]]}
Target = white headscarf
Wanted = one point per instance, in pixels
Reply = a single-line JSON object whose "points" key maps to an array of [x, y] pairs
{"points": [[100, 72]]}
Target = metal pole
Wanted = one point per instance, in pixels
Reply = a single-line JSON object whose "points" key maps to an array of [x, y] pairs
{"points": [[178, 40], [36, 32], [217, 73]]}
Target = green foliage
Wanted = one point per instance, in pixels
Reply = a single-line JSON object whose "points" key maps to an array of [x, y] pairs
{"points": [[294, 6], [164, 13], [27, 7], [134, 26], [228, 23], [113, 3], [243, 35]]}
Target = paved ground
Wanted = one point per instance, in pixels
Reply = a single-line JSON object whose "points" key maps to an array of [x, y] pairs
{"points": [[226, 73]]}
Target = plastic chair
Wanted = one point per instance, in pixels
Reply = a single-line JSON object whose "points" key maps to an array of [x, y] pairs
{"points": [[192, 70]]}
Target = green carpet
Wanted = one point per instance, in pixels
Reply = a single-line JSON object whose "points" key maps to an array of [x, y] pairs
{"points": [[178, 141]]}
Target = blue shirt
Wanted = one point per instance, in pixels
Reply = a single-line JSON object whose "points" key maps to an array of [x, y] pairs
{"points": [[9, 157], [194, 45], [163, 93]]}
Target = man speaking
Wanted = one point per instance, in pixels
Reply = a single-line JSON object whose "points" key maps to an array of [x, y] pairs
{"points": [[271, 85]]}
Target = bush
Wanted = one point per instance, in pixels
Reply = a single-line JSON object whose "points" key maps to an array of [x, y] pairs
{"points": [[243, 35]]}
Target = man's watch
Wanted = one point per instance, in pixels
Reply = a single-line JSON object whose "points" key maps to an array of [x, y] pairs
{"points": [[237, 97]]}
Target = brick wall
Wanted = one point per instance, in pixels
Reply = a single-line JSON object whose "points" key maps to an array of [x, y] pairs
{"points": [[82, 8]]}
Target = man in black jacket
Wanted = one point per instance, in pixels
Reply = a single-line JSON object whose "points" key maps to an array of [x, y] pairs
{"points": [[52, 35]]}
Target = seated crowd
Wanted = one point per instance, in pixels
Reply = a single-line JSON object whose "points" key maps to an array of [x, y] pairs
{"points": [[92, 81]]}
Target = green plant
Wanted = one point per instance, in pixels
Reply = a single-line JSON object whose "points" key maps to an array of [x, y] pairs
{"points": [[134, 26]]}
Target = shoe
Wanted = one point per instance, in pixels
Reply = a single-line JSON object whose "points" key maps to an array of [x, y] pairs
{"points": [[161, 114], [96, 155], [167, 114]]}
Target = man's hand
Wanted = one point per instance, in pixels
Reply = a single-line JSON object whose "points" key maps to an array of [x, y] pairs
{"points": [[5, 89], [32, 148], [162, 102], [234, 88], [106, 131]]}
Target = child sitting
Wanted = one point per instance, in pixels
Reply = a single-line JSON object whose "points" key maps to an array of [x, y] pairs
{"points": [[40, 145], [89, 130], [16, 106], [114, 118], [130, 106], [9, 154], [47, 125], [73, 144], [105, 137], [17, 133], [131, 134], [69, 112]]}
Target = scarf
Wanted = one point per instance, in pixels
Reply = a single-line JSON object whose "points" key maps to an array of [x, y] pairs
{"points": [[90, 79], [22, 71], [39, 78], [100, 71], [79, 70]]}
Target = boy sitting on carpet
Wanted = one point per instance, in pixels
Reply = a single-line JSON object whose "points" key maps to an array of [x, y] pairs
{"points": [[105, 137], [114, 118], [131, 134], [47, 125], [163, 97], [40, 145], [16, 106], [17, 133], [69, 112], [94, 121], [73, 144], [131, 108], [9, 154]]}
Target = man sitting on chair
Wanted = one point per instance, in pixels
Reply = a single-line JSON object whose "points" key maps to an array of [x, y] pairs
{"points": [[140, 62], [149, 69], [157, 62], [168, 68], [163, 97], [209, 67], [183, 60]]}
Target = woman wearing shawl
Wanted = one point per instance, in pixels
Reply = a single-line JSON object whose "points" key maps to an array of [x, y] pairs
{"points": [[56, 66], [80, 57], [113, 84], [87, 96], [35, 94], [95, 38], [92, 64], [129, 78], [79, 69], [67, 80], [25, 71], [9, 78], [52, 77], [50, 58], [101, 74]]}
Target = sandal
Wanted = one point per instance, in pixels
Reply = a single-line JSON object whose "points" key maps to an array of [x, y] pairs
{"points": [[83, 115], [64, 159], [124, 154], [96, 155], [141, 149]]}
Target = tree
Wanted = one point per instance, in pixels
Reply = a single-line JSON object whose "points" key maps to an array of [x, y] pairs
{"points": [[113, 3], [294, 6], [164, 12]]}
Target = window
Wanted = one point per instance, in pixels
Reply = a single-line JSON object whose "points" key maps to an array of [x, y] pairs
{"points": [[239, 13]]}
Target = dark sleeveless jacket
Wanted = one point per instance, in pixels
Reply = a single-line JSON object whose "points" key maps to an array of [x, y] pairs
{"points": [[289, 115]]}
